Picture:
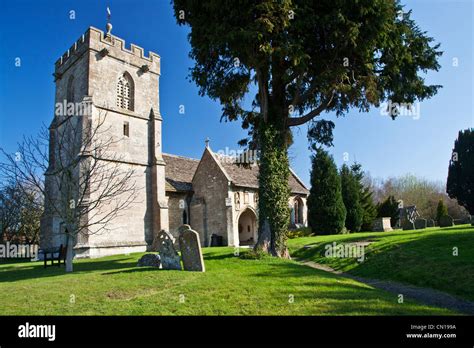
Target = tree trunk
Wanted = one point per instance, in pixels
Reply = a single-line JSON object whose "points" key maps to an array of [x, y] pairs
{"points": [[69, 253], [274, 194]]}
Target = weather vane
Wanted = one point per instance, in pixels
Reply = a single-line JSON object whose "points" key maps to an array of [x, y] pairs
{"points": [[109, 25]]}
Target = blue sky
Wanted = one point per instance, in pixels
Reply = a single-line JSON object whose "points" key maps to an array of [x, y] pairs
{"points": [[38, 32]]}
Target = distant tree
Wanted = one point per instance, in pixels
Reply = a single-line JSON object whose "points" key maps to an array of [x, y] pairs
{"points": [[326, 211], [351, 199], [21, 207], [388, 208], [460, 183], [423, 193], [366, 197], [296, 60], [441, 210]]}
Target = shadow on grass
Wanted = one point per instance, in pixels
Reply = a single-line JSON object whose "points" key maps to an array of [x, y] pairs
{"points": [[36, 270], [140, 270]]}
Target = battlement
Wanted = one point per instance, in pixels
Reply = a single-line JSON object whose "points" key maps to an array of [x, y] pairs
{"points": [[96, 39]]}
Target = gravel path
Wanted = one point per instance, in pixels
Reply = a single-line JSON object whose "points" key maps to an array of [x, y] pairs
{"points": [[422, 295]]}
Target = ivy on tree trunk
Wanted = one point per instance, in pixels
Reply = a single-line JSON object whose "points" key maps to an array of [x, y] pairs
{"points": [[274, 193]]}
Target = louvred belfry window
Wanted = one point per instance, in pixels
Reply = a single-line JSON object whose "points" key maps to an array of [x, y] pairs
{"points": [[125, 92]]}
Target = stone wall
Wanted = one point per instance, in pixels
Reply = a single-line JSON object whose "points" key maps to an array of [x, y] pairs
{"points": [[177, 204], [211, 188]]}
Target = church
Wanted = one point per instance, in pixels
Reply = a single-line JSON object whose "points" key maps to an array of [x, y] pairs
{"points": [[216, 194]]}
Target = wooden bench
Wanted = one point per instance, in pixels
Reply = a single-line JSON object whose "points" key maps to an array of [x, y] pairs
{"points": [[49, 255]]}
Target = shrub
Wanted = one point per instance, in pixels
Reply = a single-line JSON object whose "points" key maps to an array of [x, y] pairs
{"points": [[388, 208], [300, 232], [441, 210]]}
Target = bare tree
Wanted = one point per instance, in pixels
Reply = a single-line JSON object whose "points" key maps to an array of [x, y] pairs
{"points": [[82, 175]]}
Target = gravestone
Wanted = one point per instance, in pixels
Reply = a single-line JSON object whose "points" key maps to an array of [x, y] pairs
{"points": [[463, 221], [420, 224], [169, 257], [151, 260], [190, 249], [430, 223], [183, 228], [407, 217], [446, 221], [382, 225], [408, 225]]}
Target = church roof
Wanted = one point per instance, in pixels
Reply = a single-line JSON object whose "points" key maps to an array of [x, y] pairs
{"points": [[180, 170], [247, 175]]}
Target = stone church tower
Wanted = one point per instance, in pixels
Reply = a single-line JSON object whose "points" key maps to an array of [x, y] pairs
{"points": [[122, 83]]}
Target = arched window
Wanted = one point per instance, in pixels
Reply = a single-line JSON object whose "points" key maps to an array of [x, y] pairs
{"points": [[70, 90], [185, 217], [125, 92], [183, 205], [298, 209]]}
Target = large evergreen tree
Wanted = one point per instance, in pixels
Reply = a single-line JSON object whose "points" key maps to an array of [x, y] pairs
{"points": [[460, 183], [366, 198], [351, 199], [301, 59], [326, 211]]}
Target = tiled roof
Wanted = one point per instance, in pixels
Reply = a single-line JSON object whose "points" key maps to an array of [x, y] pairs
{"points": [[179, 172], [247, 175]]}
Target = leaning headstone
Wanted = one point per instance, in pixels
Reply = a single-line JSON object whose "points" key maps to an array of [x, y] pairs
{"points": [[151, 260], [446, 221], [190, 249], [430, 223], [168, 255], [183, 228], [382, 225], [421, 224], [408, 225]]}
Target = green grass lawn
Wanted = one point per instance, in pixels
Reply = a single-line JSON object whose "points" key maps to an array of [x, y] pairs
{"points": [[422, 257], [231, 286]]}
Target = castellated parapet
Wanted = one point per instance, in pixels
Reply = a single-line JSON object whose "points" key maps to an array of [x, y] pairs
{"points": [[95, 40]]}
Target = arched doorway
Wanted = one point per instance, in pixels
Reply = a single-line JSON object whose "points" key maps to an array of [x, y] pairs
{"points": [[247, 227]]}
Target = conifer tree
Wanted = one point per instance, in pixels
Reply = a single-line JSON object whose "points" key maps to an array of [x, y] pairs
{"points": [[351, 199], [326, 211]]}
